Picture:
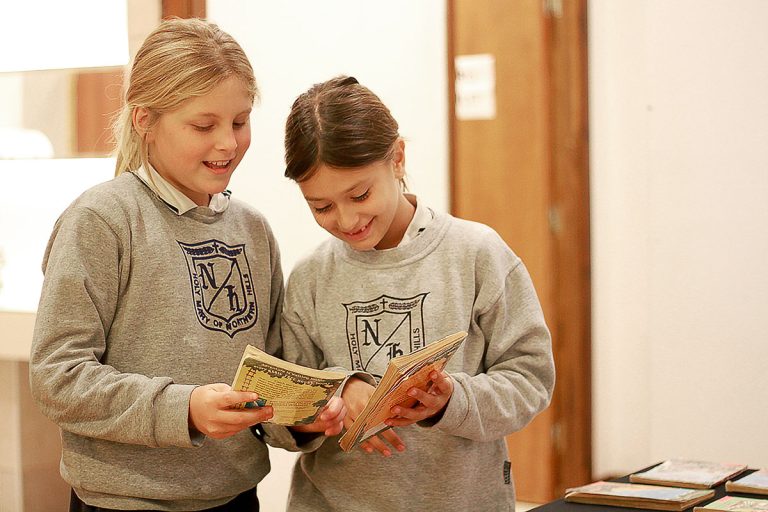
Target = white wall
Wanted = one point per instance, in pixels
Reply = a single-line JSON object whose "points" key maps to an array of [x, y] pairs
{"points": [[679, 170], [396, 48]]}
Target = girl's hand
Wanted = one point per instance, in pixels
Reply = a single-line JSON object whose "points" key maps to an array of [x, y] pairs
{"points": [[330, 421], [430, 402], [356, 394], [212, 412]]}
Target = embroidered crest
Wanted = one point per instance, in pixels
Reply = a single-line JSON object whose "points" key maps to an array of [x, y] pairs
{"points": [[383, 328], [222, 289]]}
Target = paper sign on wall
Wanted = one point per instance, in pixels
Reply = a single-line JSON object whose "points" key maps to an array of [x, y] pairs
{"points": [[475, 86]]}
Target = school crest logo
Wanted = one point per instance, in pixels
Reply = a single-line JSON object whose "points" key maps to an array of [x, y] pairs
{"points": [[384, 328], [222, 289]]}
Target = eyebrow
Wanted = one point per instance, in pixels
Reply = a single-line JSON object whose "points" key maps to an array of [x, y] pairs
{"points": [[350, 189], [213, 114]]}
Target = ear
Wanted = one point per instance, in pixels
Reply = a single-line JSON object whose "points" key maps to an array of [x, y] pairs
{"points": [[142, 120], [399, 159]]}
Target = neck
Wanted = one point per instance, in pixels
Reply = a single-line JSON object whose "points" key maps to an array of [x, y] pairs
{"points": [[403, 217]]}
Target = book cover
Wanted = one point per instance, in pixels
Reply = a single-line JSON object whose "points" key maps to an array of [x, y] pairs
{"points": [[688, 473], [296, 393], [753, 483], [631, 495], [735, 504], [402, 373]]}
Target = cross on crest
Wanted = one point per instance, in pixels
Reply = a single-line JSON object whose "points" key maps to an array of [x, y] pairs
{"points": [[383, 328]]}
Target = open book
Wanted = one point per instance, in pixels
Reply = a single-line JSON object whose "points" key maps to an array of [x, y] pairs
{"points": [[296, 393], [753, 483], [638, 496], [403, 373], [695, 474]]}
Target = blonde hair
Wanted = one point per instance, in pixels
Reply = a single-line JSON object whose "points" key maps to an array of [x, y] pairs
{"points": [[179, 60]]}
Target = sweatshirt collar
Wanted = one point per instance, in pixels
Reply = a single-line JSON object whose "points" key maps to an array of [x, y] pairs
{"points": [[421, 218], [173, 197]]}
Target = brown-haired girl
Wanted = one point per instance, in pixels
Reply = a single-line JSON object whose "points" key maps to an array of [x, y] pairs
{"points": [[397, 275]]}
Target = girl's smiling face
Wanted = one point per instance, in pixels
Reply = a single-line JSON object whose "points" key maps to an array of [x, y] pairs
{"points": [[362, 206], [197, 147]]}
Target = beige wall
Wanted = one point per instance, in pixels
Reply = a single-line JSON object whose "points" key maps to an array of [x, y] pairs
{"points": [[679, 124], [30, 444]]}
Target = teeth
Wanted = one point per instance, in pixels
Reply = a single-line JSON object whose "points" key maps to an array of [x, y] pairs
{"points": [[221, 163]]}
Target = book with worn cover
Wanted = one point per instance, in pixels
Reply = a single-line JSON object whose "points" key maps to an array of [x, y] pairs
{"points": [[643, 496], [735, 504], [402, 373], [753, 483], [695, 474], [296, 393]]}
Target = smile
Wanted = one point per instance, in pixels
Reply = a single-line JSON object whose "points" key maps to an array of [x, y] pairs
{"points": [[218, 166], [358, 233]]}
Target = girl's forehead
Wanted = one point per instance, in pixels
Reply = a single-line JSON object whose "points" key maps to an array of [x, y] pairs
{"points": [[229, 96], [327, 181]]}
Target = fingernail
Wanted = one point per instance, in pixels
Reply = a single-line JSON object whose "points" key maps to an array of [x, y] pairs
{"points": [[387, 453], [412, 392], [401, 448]]}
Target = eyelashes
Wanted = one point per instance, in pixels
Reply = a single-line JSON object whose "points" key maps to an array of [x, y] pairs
{"points": [[357, 199], [208, 128]]}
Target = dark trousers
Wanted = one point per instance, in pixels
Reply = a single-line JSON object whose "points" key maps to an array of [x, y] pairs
{"points": [[243, 502]]}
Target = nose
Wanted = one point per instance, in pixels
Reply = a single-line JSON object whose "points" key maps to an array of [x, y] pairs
{"points": [[346, 218], [226, 141]]}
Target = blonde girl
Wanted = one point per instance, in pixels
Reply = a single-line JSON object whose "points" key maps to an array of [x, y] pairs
{"points": [[154, 283]]}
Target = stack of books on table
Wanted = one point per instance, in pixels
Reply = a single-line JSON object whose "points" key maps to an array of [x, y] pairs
{"points": [[677, 485]]}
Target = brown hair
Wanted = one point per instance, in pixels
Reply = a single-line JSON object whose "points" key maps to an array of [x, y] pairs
{"points": [[179, 60], [339, 123]]}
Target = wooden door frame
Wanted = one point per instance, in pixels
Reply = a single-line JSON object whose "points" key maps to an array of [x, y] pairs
{"points": [[568, 450], [570, 224], [183, 8]]}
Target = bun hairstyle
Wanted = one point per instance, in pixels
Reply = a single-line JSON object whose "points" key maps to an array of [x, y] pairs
{"points": [[339, 123]]}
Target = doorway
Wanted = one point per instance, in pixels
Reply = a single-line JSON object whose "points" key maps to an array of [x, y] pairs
{"points": [[519, 163]]}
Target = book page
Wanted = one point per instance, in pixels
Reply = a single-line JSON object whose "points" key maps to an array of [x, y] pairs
{"points": [[737, 504], [411, 370], [651, 492], [295, 393], [757, 480], [689, 472]]}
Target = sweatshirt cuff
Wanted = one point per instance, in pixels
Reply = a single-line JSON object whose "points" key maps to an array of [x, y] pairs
{"points": [[456, 411], [280, 436], [172, 418], [365, 377]]}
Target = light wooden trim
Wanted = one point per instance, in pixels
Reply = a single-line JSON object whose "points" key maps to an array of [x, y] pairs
{"points": [[567, 39], [183, 8], [98, 98]]}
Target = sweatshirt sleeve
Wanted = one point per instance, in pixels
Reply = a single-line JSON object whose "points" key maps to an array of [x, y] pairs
{"points": [[84, 269], [273, 342], [299, 347], [519, 375]]}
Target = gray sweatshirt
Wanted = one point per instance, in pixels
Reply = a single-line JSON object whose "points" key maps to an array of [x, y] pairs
{"points": [[140, 305], [357, 310]]}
